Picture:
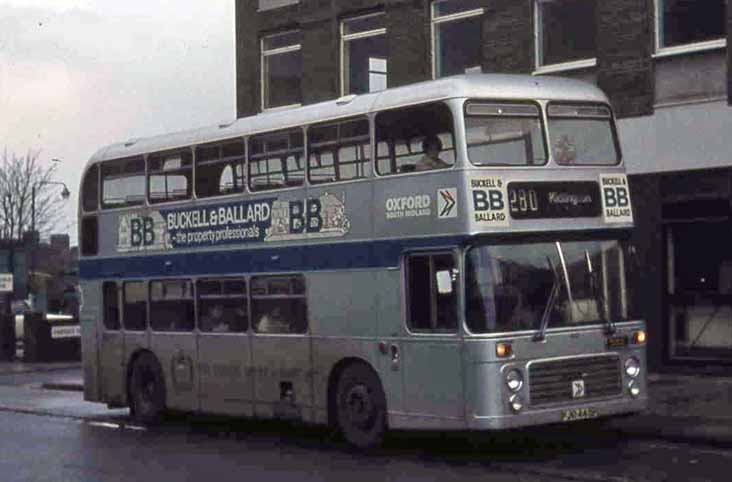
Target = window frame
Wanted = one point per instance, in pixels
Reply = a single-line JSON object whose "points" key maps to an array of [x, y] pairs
{"points": [[146, 288], [118, 300], [163, 156], [222, 279], [543, 125], [368, 170], [539, 66], [431, 254], [345, 38], [226, 161], [375, 140], [263, 54], [126, 206], [150, 301], [254, 324], [435, 23], [660, 51], [613, 129], [273, 133], [95, 166]]}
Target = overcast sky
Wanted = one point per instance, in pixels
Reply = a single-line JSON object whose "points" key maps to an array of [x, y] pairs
{"points": [[76, 75]]}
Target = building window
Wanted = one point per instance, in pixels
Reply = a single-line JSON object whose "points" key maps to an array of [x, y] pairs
{"points": [[562, 40], [272, 4], [456, 36], [281, 70], [364, 52], [683, 25]]}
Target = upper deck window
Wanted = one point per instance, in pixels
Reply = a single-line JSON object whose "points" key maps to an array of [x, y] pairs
{"points": [[281, 69], [276, 160], [170, 176], [504, 134], [339, 151], [687, 25], [220, 169], [123, 183], [560, 37], [582, 135], [456, 36], [364, 54], [414, 139]]}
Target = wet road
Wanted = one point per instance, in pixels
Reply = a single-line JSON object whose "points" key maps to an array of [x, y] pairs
{"points": [[55, 435], [55, 447]]}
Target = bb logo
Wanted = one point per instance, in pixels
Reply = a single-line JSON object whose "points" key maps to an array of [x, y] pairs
{"points": [[142, 232]]}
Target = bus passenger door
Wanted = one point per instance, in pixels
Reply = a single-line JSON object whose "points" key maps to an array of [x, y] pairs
{"points": [[281, 351], [224, 354], [431, 353]]}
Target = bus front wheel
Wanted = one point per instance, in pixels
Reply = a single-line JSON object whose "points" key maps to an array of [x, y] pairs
{"points": [[147, 389], [361, 406]]}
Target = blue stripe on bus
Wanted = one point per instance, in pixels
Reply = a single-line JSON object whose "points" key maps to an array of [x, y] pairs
{"points": [[355, 255]]}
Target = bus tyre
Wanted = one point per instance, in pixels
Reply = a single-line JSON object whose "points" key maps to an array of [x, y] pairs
{"points": [[147, 389], [361, 406]]}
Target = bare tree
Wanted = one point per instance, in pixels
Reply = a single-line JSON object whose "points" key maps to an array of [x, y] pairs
{"points": [[18, 176]]}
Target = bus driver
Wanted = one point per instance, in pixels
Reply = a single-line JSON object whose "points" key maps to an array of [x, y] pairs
{"points": [[431, 146]]}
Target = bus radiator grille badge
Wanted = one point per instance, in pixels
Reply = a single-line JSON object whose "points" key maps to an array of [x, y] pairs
{"points": [[578, 388]]}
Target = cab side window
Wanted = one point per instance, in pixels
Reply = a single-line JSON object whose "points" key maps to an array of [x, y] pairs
{"points": [[431, 292]]}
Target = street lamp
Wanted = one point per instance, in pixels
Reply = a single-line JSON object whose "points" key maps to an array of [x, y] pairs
{"points": [[64, 195]]}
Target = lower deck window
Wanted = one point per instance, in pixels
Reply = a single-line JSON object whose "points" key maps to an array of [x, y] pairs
{"points": [[134, 315], [171, 305], [222, 305], [279, 304]]}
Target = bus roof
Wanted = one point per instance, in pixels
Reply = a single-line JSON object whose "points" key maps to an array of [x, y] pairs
{"points": [[494, 86]]}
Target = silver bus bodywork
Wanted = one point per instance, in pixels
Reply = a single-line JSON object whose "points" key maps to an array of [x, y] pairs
{"points": [[356, 286]]}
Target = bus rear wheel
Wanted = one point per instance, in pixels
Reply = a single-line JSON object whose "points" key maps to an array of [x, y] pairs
{"points": [[361, 406], [147, 389]]}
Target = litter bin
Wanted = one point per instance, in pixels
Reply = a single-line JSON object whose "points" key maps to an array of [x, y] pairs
{"points": [[7, 337]]}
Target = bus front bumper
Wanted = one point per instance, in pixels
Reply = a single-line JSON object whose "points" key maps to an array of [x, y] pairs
{"points": [[529, 416]]}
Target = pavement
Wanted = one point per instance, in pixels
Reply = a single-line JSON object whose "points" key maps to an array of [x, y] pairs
{"points": [[682, 407]]}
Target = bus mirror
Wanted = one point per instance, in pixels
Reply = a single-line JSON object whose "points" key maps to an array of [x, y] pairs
{"points": [[444, 282]]}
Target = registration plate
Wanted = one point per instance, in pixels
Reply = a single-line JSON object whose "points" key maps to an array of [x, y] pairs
{"points": [[578, 414]]}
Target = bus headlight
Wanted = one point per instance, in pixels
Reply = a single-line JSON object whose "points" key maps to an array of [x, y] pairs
{"points": [[633, 388], [514, 380], [516, 403], [632, 367]]}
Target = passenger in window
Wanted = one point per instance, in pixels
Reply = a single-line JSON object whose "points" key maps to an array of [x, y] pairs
{"points": [[214, 319], [431, 145], [273, 322]]}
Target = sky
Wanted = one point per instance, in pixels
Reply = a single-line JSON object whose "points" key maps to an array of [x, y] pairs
{"points": [[77, 75]]}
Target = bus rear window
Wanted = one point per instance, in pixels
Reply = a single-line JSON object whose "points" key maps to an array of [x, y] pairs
{"points": [[504, 134], [582, 135]]}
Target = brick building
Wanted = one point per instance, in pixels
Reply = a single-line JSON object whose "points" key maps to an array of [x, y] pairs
{"points": [[663, 63]]}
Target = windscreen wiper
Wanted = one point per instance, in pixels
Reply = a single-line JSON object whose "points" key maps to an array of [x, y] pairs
{"points": [[541, 335]]}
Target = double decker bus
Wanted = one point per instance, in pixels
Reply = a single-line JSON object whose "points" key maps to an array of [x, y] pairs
{"points": [[448, 255]]}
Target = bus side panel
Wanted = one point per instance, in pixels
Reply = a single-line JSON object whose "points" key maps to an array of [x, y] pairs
{"points": [[89, 315], [343, 325]]}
